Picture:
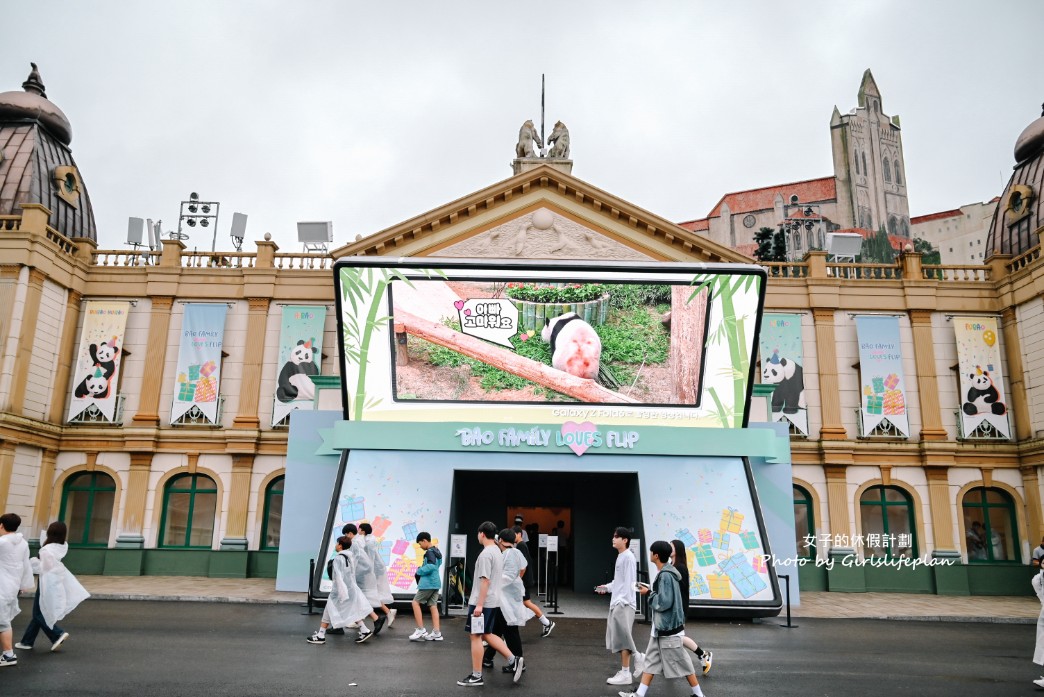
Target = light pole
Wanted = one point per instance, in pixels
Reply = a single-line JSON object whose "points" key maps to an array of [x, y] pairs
{"points": [[195, 212]]}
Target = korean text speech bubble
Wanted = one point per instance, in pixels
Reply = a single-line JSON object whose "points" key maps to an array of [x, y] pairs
{"points": [[492, 319]]}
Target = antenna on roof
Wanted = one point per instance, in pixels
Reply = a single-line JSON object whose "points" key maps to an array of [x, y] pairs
{"points": [[315, 236], [542, 141]]}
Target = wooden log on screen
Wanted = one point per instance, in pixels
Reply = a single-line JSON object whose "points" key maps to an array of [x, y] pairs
{"points": [[688, 329], [508, 361], [401, 355]]}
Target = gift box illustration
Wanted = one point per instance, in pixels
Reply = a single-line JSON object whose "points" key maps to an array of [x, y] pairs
{"points": [[719, 586], [749, 539], [409, 530], [206, 390], [893, 403], [758, 562], [731, 520], [207, 369], [743, 576], [704, 555], [878, 384], [690, 558], [400, 574], [891, 381], [697, 584], [193, 373], [704, 536], [352, 508], [400, 547], [186, 391], [722, 540], [874, 404], [385, 551], [686, 537], [380, 525]]}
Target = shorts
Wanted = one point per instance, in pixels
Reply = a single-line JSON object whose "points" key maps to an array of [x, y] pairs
{"points": [[525, 593], [618, 629], [667, 656], [427, 597], [490, 615]]}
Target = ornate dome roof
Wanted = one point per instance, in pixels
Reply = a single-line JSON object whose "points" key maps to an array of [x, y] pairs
{"points": [[1031, 141], [1020, 211], [32, 105]]}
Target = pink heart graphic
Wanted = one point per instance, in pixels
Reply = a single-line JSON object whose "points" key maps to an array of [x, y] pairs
{"points": [[458, 304], [523, 337], [577, 443], [467, 313]]}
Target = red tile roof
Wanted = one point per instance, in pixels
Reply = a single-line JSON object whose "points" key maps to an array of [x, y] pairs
{"points": [[696, 225], [896, 241], [808, 191], [936, 216]]}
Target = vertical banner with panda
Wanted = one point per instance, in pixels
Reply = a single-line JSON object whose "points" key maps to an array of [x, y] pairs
{"points": [[882, 388], [199, 360], [781, 365], [97, 370], [982, 383], [300, 348]]}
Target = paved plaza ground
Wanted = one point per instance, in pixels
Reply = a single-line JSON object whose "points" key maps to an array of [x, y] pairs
{"points": [[121, 647]]}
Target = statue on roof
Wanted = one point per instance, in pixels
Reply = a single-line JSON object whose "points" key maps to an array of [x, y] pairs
{"points": [[527, 136], [559, 142], [34, 83]]}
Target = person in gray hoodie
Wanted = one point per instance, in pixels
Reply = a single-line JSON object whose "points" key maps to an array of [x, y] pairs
{"points": [[666, 654], [15, 574]]}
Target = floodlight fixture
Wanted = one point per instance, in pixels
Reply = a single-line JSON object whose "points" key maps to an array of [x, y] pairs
{"points": [[195, 212]]}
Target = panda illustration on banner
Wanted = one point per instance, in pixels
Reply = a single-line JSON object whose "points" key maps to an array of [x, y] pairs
{"points": [[103, 366], [294, 382], [575, 346], [789, 379], [983, 395]]}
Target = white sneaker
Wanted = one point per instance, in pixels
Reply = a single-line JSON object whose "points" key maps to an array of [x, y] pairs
{"points": [[628, 694], [639, 664], [1039, 683], [391, 617], [621, 678], [23, 647], [418, 635], [434, 636], [61, 640], [708, 659]]}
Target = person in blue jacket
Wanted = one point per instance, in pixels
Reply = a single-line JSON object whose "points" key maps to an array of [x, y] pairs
{"points": [[428, 583]]}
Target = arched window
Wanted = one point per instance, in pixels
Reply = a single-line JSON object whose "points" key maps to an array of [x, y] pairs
{"points": [[893, 225], [804, 523], [887, 171], [888, 523], [898, 178], [990, 527], [189, 510], [272, 523], [88, 500], [857, 161]]}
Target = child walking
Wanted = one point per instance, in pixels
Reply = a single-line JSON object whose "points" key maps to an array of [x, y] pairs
{"points": [[57, 592], [346, 603], [428, 584]]}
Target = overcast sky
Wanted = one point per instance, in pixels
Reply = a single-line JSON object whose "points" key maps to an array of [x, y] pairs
{"points": [[368, 115]]}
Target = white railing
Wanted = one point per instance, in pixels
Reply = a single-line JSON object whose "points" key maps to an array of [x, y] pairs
{"points": [[195, 417], [93, 416], [985, 431]]}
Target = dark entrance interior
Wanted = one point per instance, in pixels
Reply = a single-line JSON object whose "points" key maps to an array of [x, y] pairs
{"points": [[589, 504]]}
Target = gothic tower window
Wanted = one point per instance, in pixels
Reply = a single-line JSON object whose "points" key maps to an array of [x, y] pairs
{"points": [[865, 170], [898, 179], [887, 171], [857, 161]]}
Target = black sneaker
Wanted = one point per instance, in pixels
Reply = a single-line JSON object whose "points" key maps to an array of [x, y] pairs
{"points": [[471, 680], [338, 630], [379, 624], [6, 660], [487, 664], [520, 665], [546, 631], [316, 639], [363, 636]]}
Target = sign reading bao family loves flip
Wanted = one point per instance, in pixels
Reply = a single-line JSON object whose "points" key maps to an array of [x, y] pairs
{"points": [[882, 389], [199, 360]]}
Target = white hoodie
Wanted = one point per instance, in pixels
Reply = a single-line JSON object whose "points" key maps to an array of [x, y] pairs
{"points": [[15, 573], [60, 592]]}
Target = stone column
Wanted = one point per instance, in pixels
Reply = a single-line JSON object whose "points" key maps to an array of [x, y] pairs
{"points": [[238, 503], [26, 340], [155, 357], [1013, 354], [253, 362], [7, 452], [833, 428], [132, 526], [66, 356], [44, 492], [940, 501], [927, 379], [837, 501], [1031, 485]]}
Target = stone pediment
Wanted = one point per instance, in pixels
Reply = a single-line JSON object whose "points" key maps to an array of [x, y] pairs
{"points": [[542, 213]]}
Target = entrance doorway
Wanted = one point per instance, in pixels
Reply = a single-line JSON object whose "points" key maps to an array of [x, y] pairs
{"points": [[589, 505]]}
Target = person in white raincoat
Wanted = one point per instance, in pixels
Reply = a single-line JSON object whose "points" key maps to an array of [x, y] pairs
{"points": [[1038, 651], [58, 592], [515, 613], [346, 603], [364, 575], [15, 574], [380, 571]]}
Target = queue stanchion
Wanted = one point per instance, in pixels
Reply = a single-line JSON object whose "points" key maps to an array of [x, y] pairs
{"points": [[643, 600], [542, 562], [786, 581], [310, 602], [455, 573], [552, 589]]}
